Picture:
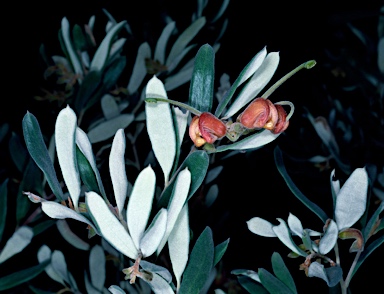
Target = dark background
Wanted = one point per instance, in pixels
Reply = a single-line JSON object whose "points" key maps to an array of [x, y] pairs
{"points": [[249, 184]]}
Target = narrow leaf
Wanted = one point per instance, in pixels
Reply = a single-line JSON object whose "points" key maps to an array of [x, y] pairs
{"points": [[117, 170], [258, 81], [154, 234], [20, 277], [71, 237], [65, 131], [184, 38], [160, 127], [272, 284], [176, 203], [282, 273], [66, 34], [247, 71], [352, 198], [110, 228], [368, 230], [159, 285], [219, 251], [139, 69], [97, 267], [201, 87], [291, 185], [86, 172], [107, 129], [199, 265], [109, 106], [295, 225], [39, 152], [140, 204], [251, 286], [161, 44], [44, 254], [101, 55], [87, 89], [18, 241], [178, 243], [18, 152]]}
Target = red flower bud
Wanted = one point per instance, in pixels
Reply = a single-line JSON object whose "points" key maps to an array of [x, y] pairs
{"points": [[206, 128], [260, 113], [282, 123]]}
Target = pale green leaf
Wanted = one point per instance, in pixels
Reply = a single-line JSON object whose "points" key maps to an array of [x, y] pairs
{"points": [[261, 227], [139, 69], [71, 237], [161, 44], [328, 241], [18, 241], [65, 30], [140, 204], [65, 132], [154, 234], [282, 232], [97, 267]]}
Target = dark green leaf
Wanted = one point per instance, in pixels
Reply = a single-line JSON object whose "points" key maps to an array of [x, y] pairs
{"points": [[3, 206], [291, 185], [203, 77], [251, 286], [199, 265], [87, 174], [17, 278], [282, 273], [272, 284], [37, 149], [18, 152], [367, 251], [334, 275], [41, 227], [197, 163], [62, 44], [219, 251], [32, 179], [113, 72], [373, 221], [88, 87], [40, 291], [79, 40]]}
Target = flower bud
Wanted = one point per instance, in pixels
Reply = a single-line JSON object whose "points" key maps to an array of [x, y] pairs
{"points": [[206, 128], [260, 113], [282, 123]]}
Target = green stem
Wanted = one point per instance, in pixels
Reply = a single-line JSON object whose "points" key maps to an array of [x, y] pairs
{"points": [[290, 105], [183, 105], [350, 273], [309, 64]]}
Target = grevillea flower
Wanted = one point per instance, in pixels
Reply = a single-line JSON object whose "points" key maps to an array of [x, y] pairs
{"points": [[262, 113], [206, 128]]}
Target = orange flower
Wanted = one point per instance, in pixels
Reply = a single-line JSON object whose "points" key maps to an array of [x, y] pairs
{"points": [[260, 113], [206, 128]]}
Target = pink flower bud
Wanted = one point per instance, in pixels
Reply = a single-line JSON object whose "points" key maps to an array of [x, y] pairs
{"points": [[206, 128]]}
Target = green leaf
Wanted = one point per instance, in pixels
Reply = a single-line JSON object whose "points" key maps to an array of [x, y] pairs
{"points": [[199, 265], [79, 40], [139, 70], [201, 88], [3, 206], [282, 273], [18, 152], [251, 286], [70, 237], [97, 267], [41, 227], [20, 239], [101, 56], [38, 150], [197, 163], [219, 251], [291, 185], [88, 87], [17, 278], [86, 172], [113, 72], [272, 284], [373, 221]]}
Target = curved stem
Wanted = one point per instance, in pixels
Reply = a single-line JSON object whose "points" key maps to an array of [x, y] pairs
{"points": [[309, 64], [183, 105], [290, 104]]}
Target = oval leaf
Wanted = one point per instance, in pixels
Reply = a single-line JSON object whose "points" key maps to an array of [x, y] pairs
{"points": [[352, 198], [282, 273], [154, 234], [18, 241], [261, 227], [97, 267], [110, 228], [328, 241], [282, 232], [272, 284], [139, 69], [71, 237]]}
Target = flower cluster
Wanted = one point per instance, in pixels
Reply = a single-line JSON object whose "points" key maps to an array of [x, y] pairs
{"points": [[260, 113]]}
